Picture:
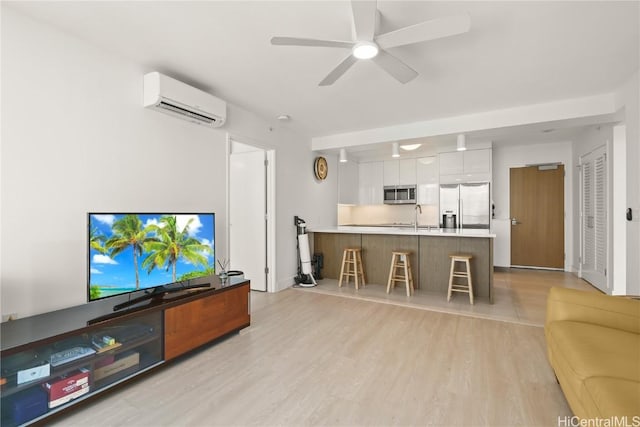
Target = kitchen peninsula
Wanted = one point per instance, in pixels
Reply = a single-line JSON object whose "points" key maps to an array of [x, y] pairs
{"points": [[429, 247]]}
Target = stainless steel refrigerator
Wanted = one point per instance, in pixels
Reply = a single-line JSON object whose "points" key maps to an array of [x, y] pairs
{"points": [[465, 205]]}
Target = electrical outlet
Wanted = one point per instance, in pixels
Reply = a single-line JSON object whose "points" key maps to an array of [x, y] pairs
{"points": [[10, 316]]}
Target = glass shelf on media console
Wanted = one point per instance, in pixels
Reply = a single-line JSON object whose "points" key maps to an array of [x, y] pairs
{"points": [[30, 382]]}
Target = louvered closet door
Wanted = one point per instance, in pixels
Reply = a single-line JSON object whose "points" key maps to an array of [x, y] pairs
{"points": [[594, 218]]}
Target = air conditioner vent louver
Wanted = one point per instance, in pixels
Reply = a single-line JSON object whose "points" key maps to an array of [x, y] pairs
{"points": [[178, 99], [174, 108]]}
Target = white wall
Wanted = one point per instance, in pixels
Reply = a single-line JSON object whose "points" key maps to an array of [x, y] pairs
{"points": [[514, 155], [297, 191], [628, 98], [348, 182], [76, 139]]}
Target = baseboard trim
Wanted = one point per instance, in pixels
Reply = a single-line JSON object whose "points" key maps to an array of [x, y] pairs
{"points": [[285, 283]]}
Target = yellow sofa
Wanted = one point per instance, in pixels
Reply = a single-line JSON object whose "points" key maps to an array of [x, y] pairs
{"points": [[593, 345]]}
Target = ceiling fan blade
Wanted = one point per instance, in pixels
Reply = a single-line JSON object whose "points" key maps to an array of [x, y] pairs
{"points": [[338, 71], [364, 19], [296, 41], [427, 30], [392, 65]]}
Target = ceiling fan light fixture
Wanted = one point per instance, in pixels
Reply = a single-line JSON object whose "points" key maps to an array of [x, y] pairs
{"points": [[394, 150], [365, 50], [410, 147], [462, 142]]}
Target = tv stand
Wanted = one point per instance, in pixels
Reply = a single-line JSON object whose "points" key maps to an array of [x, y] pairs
{"points": [[158, 294], [146, 338], [155, 295]]}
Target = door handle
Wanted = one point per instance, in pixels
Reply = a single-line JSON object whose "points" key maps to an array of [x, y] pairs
{"points": [[514, 221]]}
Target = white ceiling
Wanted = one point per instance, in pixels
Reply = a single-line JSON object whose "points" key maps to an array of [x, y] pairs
{"points": [[517, 53], [540, 133]]}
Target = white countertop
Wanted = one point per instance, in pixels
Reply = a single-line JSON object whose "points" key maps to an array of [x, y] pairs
{"points": [[407, 231]]}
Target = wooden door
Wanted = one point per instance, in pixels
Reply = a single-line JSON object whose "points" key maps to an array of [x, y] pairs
{"points": [[537, 216]]}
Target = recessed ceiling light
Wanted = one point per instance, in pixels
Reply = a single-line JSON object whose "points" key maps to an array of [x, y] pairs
{"points": [[410, 147], [284, 117], [365, 50]]}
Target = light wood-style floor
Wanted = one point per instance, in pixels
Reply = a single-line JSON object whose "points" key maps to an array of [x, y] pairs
{"points": [[520, 295], [316, 359]]}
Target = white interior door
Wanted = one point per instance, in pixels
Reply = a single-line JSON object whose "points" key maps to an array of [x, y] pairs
{"points": [[593, 258], [247, 216]]}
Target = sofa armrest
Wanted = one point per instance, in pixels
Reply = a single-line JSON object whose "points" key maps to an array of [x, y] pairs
{"points": [[593, 307]]}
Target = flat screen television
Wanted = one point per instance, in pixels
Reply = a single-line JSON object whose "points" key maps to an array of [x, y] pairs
{"points": [[131, 252]]}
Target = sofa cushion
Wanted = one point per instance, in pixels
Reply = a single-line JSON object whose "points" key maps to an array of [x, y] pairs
{"points": [[593, 350], [593, 307], [608, 397]]}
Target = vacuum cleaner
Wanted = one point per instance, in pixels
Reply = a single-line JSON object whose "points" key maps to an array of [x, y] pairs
{"points": [[304, 277]]}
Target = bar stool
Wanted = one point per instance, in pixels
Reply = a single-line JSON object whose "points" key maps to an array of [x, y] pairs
{"points": [[460, 287], [401, 261], [352, 266]]}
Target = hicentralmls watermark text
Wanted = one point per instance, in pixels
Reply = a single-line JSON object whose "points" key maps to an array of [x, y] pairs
{"points": [[623, 421]]}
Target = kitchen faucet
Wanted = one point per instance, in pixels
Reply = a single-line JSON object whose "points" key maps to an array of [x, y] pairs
{"points": [[416, 209]]}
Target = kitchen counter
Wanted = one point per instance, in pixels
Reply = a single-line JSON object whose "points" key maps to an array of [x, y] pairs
{"points": [[429, 248], [408, 230]]}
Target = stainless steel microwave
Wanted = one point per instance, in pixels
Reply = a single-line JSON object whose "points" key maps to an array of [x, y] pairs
{"points": [[399, 194]]}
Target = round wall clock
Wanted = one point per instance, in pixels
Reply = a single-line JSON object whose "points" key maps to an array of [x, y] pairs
{"points": [[320, 168]]}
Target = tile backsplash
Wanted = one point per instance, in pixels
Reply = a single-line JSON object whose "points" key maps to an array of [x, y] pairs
{"points": [[386, 215]]}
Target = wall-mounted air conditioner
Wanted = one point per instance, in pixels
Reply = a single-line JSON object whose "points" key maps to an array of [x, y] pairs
{"points": [[181, 100]]}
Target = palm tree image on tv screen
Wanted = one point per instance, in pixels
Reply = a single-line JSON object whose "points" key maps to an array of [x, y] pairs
{"points": [[130, 252]]}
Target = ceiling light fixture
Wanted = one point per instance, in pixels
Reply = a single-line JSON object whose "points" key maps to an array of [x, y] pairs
{"points": [[343, 155], [394, 150], [410, 147], [462, 142], [365, 50], [284, 117]]}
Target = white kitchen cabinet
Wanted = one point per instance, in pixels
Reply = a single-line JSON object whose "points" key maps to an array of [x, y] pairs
{"points": [[400, 172], [451, 163], [370, 183], [427, 180], [465, 166], [390, 171], [407, 173], [348, 189], [477, 161], [428, 187]]}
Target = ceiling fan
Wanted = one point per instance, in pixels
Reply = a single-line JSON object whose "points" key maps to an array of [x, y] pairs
{"points": [[369, 45]]}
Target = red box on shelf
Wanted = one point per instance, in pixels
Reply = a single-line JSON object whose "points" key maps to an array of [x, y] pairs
{"points": [[66, 388]]}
